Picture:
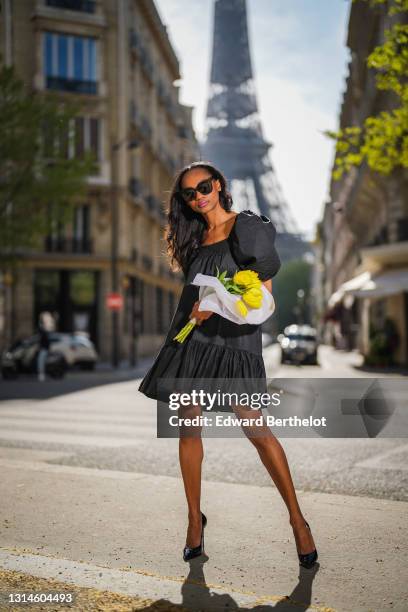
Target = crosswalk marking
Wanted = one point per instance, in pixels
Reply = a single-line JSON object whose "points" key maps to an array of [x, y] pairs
{"points": [[82, 421]]}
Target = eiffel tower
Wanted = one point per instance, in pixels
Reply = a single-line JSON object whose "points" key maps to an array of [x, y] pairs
{"points": [[234, 139]]}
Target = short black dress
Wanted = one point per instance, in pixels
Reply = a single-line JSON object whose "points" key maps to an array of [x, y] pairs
{"points": [[218, 348]]}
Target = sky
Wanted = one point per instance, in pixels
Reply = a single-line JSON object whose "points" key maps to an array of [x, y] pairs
{"points": [[299, 60]]}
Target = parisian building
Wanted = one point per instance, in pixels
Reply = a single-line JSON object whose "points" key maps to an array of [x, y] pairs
{"points": [[116, 60], [363, 236]]}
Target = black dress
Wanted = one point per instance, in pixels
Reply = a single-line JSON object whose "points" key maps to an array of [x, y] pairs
{"points": [[218, 348]]}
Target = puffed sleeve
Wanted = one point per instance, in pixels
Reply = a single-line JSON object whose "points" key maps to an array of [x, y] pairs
{"points": [[252, 244]]}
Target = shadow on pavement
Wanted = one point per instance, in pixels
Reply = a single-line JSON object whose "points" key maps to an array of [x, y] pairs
{"points": [[198, 596], [29, 387]]}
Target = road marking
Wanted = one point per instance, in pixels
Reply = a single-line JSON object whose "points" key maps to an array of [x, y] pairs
{"points": [[130, 581]]}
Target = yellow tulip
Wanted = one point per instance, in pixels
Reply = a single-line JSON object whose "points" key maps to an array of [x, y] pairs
{"points": [[241, 308], [247, 278], [253, 297]]}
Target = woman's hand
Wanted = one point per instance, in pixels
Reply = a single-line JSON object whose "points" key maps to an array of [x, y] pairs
{"points": [[200, 315]]}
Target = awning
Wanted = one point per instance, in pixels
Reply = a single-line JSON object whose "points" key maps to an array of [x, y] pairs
{"points": [[349, 286], [386, 283]]}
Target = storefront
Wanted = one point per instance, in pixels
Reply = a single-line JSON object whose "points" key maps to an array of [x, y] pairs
{"points": [[382, 313], [71, 296]]}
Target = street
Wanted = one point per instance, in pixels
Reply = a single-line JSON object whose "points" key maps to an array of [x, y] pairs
{"points": [[85, 480]]}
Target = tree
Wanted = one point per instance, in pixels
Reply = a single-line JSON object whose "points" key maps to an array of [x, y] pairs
{"points": [[37, 173], [382, 141], [293, 276]]}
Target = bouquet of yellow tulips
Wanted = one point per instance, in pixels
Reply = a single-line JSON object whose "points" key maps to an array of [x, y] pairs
{"points": [[241, 299]]}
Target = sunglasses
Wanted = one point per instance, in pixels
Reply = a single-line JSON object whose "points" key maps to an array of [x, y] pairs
{"points": [[204, 187]]}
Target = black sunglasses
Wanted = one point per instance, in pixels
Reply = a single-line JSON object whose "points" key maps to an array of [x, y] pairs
{"points": [[204, 187]]}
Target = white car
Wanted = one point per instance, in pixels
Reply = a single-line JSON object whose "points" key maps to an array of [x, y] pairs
{"points": [[77, 349]]}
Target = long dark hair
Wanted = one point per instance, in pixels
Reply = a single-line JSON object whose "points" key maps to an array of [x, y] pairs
{"points": [[185, 229]]}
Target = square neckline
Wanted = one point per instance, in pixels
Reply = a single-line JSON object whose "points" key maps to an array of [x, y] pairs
{"points": [[203, 246]]}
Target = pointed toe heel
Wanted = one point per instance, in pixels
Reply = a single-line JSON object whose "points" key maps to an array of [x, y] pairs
{"points": [[308, 559], [191, 553]]}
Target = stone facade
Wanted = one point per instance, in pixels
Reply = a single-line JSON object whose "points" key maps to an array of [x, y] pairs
{"points": [[116, 60], [365, 224]]}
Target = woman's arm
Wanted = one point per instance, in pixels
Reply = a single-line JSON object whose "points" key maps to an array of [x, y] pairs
{"points": [[268, 284]]}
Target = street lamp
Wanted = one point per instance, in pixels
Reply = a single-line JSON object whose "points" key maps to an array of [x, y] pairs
{"points": [[131, 144], [300, 296]]}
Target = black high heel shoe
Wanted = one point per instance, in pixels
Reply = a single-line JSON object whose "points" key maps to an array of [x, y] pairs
{"points": [[191, 553], [308, 559]]}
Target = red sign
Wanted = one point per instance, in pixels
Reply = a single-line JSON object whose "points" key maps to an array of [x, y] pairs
{"points": [[114, 301]]}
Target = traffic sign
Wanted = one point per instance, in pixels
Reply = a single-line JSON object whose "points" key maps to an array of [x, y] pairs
{"points": [[114, 301]]}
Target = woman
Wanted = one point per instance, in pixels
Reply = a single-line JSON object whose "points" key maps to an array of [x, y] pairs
{"points": [[203, 234]]}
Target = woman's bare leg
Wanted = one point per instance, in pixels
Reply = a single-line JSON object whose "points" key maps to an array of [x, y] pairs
{"points": [[274, 459], [191, 455]]}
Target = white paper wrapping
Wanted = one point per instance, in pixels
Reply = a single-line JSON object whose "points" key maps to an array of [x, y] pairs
{"points": [[214, 296]]}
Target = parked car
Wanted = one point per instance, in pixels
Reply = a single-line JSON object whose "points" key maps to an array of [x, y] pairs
{"points": [[267, 339], [66, 350], [21, 358], [77, 348], [299, 344]]}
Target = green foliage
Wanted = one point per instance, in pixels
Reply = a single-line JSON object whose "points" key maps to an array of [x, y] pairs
{"points": [[35, 170], [382, 141], [229, 283], [383, 344], [397, 6], [293, 275]]}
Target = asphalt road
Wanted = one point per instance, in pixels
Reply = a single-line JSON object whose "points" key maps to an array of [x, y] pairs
{"points": [[85, 483], [101, 421]]}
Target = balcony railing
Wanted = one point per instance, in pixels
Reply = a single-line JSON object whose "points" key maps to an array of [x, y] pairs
{"points": [[145, 128], [68, 245], [135, 187], [86, 6], [74, 85], [145, 58]]}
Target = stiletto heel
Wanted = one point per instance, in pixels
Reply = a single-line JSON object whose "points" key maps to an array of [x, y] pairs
{"points": [[191, 553], [308, 559]]}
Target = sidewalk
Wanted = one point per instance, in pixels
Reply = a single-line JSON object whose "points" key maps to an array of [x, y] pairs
{"points": [[123, 532]]}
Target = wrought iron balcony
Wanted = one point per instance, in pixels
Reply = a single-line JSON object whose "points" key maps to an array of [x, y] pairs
{"points": [[73, 85], [137, 46], [135, 187], [134, 39], [86, 6], [68, 245], [145, 128]]}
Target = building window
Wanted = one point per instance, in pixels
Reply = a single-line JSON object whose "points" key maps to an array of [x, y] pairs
{"points": [[88, 136], [86, 6], [74, 237], [81, 239], [81, 135], [70, 63]]}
